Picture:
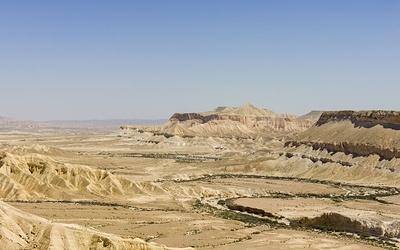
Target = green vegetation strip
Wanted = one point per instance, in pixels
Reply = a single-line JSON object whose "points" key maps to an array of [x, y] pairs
{"points": [[257, 220]]}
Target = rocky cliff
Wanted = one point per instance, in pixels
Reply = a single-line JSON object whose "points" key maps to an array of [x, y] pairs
{"points": [[360, 133], [366, 119], [192, 116]]}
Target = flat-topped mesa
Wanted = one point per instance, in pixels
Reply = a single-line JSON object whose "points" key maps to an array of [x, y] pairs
{"points": [[247, 122], [246, 114], [360, 133], [367, 119]]}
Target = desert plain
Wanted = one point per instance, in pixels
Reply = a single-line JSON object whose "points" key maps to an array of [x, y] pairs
{"points": [[230, 178]]}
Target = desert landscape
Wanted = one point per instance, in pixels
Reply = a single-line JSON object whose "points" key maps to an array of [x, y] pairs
{"points": [[227, 125], [230, 178]]}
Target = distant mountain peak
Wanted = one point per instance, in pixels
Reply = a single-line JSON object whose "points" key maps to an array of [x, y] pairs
{"points": [[250, 110], [247, 109], [248, 105]]}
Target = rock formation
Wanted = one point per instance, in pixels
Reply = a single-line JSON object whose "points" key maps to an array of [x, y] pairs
{"points": [[246, 121], [361, 133]]}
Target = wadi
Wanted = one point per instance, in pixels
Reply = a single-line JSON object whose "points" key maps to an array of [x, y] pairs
{"points": [[230, 178]]}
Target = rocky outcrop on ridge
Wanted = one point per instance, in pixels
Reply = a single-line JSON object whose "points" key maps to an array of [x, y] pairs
{"points": [[193, 116], [360, 133], [366, 119], [246, 121]]}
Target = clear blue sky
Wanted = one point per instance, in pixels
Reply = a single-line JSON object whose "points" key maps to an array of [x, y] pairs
{"points": [[100, 59]]}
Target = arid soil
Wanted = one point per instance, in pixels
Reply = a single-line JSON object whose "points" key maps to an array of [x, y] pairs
{"points": [[130, 189]]}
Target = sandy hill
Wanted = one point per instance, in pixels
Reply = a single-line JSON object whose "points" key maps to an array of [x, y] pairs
{"points": [[246, 121], [20, 230], [360, 133], [34, 176]]}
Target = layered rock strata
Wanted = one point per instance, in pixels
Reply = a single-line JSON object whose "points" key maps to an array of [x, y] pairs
{"points": [[360, 133]]}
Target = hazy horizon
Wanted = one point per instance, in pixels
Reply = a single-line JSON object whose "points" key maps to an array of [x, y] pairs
{"points": [[164, 119], [85, 60]]}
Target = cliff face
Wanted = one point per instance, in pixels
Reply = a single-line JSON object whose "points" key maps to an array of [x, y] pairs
{"points": [[192, 116], [366, 119], [359, 133], [243, 122]]}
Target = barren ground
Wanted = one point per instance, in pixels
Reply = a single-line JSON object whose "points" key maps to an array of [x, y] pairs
{"points": [[195, 177]]}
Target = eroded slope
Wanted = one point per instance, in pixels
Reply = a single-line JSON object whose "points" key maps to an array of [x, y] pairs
{"points": [[34, 176]]}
